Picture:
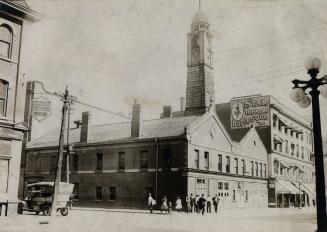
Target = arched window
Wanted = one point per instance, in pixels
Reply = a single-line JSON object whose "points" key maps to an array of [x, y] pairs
{"points": [[3, 97], [5, 41]]}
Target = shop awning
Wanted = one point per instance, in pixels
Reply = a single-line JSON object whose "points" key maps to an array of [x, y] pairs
{"points": [[277, 140], [283, 164], [308, 188], [286, 187]]}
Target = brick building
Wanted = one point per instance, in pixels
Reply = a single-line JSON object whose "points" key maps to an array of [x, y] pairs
{"points": [[13, 14], [288, 140], [179, 154]]}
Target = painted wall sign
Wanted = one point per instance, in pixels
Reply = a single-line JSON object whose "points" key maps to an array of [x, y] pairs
{"points": [[250, 111], [41, 108]]}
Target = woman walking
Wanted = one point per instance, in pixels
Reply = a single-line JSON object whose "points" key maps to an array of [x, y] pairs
{"points": [[164, 205], [178, 206]]}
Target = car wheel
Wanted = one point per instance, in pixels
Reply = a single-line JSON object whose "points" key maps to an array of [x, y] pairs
{"points": [[64, 211], [47, 210]]}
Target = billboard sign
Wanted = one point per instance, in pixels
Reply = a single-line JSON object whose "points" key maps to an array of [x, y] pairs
{"points": [[41, 108], [250, 111]]}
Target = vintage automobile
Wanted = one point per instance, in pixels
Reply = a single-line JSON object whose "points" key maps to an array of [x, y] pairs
{"points": [[39, 198]]}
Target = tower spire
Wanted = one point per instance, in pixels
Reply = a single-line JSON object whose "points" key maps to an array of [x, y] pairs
{"points": [[199, 5]]}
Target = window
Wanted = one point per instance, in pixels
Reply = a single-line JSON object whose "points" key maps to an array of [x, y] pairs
{"points": [[227, 164], [220, 163], [196, 159], [264, 170], [220, 185], [286, 146], [246, 195], [292, 148], [226, 185], [166, 158], [256, 169], [5, 41], [76, 191], [201, 187], [234, 195], [112, 193], [252, 167], [243, 167], [3, 97], [53, 164], [297, 150], [260, 169], [75, 163], [37, 164], [274, 120], [236, 165], [206, 160], [99, 162], [144, 159], [302, 152], [98, 193], [121, 158]]}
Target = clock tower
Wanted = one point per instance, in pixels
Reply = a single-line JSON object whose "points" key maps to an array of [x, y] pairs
{"points": [[200, 83]]}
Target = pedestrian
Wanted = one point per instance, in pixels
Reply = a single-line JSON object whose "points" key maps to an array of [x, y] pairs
{"points": [[215, 201], [150, 203], [202, 204], [164, 205], [170, 207], [178, 205], [192, 203], [209, 203], [197, 207], [188, 204]]}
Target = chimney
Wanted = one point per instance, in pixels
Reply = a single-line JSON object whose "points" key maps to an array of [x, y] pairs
{"points": [[85, 127], [166, 112], [136, 128], [182, 103]]}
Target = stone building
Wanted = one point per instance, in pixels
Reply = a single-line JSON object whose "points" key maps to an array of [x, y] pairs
{"points": [[288, 140], [13, 14], [179, 154]]}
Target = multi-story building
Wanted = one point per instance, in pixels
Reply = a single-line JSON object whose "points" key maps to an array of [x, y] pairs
{"points": [[288, 140], [12, 17], [119, 164], [324, 142]]}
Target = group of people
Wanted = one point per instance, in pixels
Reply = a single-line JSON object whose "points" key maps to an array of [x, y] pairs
{"points": [[198, 204]]}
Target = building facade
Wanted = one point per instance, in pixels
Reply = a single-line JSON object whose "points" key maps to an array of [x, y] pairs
{"points": [[288, 140], [179, 154], [12, 17], [170, 157]]}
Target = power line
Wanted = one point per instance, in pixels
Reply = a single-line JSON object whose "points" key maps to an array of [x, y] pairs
{"points": [[101, 109]]}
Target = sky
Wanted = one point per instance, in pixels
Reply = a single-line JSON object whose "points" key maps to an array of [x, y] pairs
{"points": [[110, 52]]}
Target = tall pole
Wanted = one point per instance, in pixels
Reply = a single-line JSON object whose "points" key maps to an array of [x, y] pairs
{"points": [[60, 154], [68, 149], [319, 163]]}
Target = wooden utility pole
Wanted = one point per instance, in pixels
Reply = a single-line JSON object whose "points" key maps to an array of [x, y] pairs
{"points": [[57, 179], [68, 146]]}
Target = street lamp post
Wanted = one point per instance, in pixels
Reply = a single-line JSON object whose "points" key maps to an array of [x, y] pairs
{"points": [[298, 95]]}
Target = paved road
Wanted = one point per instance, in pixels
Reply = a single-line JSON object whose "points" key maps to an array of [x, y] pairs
{"points": [[241, 220]]}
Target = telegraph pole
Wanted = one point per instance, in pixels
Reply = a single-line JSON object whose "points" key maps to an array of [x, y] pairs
{"points": [[57, 179], [68, 147]]}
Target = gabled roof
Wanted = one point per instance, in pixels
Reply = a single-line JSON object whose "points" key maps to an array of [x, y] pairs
{"points": [[156, 128], [19, 9]]}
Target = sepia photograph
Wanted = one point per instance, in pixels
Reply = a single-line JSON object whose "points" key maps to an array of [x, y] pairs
{"points": [[163, 115]]}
